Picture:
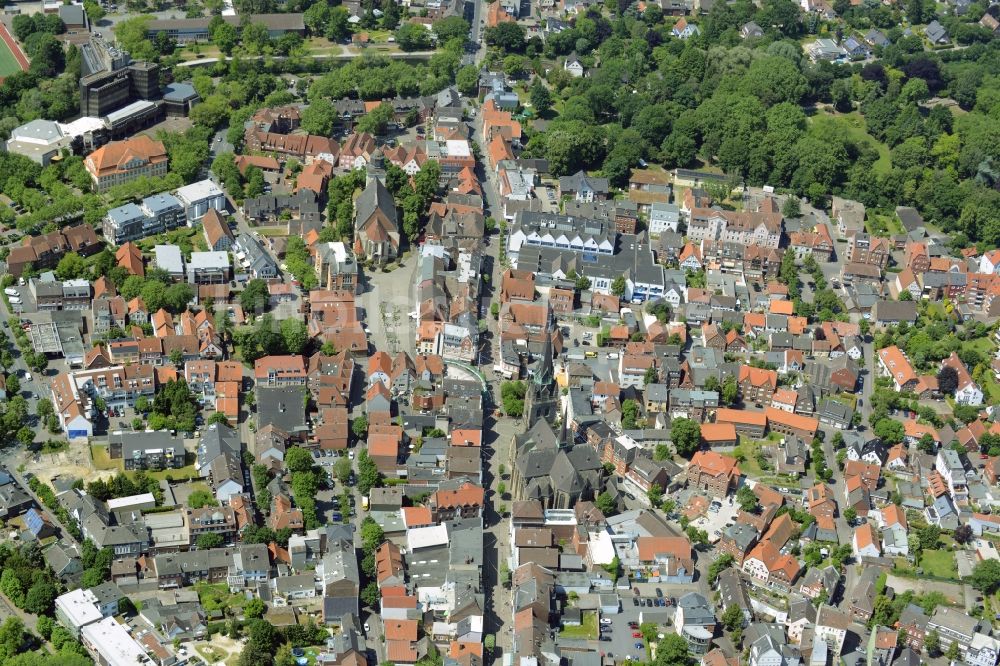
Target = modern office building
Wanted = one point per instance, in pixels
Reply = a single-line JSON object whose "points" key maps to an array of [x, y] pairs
{"points": [[109, 79]]}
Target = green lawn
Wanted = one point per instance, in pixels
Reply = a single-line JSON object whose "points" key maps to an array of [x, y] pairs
{"points": [[218, 596], [854, 125], [102, 459], [586, 631], [747, 453], [990, 386], [939, 563], [982, 345], [180, 474]]}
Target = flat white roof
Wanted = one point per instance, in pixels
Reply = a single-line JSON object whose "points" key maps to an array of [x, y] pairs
{"points": [[114, 644], [209, 260], [626, 441], [203, 189], [123, 502], [424, 537], [130, 110], [168, 257], [602, 549], [82, 126], [80, 607], [458, 148]]}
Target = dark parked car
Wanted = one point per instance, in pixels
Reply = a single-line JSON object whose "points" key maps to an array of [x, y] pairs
{"points": [[659, 593], [337, 517], [635, 601]]}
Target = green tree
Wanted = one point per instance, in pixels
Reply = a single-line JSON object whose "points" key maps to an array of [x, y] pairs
{"points": [[40, 597], [370, 594], [413, 37], [71, 267], [541, 97], [320, 117], [218, 418], [452, 27], [630, 414], [889, 431], [372, 535], [747, 500], [618, 286], [467, 80], [295, 335], [686, 436], [255, 297], [342, 470], [850, 515], [298, 459], [201, 498], [512, 397], [986, 576], [607, 504], [359, 426], [368, 475], [672, 651], [932, 643], [254, 609], [733, 618], [209, 540], [730, 391], [506, 36]]}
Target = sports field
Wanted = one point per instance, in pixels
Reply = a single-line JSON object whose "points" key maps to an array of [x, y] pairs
{"points": [[9, 62]]}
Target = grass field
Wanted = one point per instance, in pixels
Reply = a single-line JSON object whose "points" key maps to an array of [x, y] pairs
{"points": [[939, 563], [587, 630], [982, 345], [8, 63], [102, 460]]}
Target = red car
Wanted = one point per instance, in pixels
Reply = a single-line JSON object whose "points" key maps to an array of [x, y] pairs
{"points": [[636, 634]]}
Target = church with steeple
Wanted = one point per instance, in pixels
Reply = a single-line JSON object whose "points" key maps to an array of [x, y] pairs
{"points": [[541, 400], [546, 464]]}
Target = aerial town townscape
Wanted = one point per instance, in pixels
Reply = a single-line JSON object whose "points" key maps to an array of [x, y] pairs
{"points": [[500, 332]]}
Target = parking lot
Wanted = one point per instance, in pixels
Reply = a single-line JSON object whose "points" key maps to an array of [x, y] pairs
{"points": [[624, 643], [715, 522]]}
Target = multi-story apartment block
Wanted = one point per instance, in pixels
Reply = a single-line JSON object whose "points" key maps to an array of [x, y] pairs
{"points": [[762, 228], [219, 520], [74, 394], [975, 644], [156, 214], [871, 250]]}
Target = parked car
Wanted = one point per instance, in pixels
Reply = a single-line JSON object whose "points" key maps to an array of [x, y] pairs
{"points": [[636, 634], [605, 621]]}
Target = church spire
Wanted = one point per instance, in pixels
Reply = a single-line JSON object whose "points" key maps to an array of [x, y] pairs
{"points": [[545, 373]]}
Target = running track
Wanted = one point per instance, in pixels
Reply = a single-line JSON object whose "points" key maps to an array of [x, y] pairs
{"points": [[22, 60]]}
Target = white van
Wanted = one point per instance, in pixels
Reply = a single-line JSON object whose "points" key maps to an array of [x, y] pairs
{"points": [[27, 376], [15, 300], [10, 291]]}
